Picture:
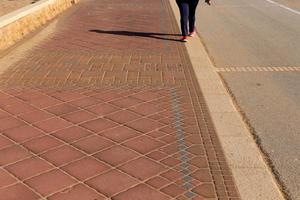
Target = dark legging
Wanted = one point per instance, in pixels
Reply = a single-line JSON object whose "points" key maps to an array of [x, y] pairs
{"points": [[187, 12]]}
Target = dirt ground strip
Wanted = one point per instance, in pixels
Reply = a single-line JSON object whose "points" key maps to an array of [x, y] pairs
{"points": [[7, 6]]}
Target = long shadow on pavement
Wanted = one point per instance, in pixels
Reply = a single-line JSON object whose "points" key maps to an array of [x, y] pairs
{"points": [[138, 34]]}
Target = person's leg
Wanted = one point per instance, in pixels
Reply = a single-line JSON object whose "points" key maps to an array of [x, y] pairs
{"points": [[192, 14], [184, 16]]}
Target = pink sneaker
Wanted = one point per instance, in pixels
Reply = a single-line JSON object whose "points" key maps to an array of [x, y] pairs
{"points": [[184, 39], [192, 34]]}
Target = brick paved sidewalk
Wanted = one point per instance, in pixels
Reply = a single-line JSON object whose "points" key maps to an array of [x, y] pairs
{"points": [[109, 108]]}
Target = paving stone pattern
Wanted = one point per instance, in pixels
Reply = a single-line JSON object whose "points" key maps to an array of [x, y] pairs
{"points": [[108, 107]]}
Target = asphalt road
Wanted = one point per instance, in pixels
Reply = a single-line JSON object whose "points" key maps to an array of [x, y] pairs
{"points": [[259, 34]]}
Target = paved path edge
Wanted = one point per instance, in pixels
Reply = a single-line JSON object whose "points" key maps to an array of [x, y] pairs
{"points": [[253, 177]]}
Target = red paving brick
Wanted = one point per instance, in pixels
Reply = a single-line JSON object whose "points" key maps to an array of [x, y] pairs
{"points": [[22, 133], [50, 182], [85, 102], [18, 108], [9, 123], [5, 142], [116, 155], [6, 178], [91, 168], [72, 134], [52, 124], [18, 191], [141, 192], [3, 114], [78, 192], [144, 125], [99, 125], [146, 109], [123, 116], [126, 102], [205, 190], [157, 155], [93, 113], [120, 134], [93, 144], [35, 116], [44, 102], [158, 182], [61, 109], [62, 155], [143, 168], [102, 109], [112, 183], [29, 167], [42, 144], [79, 117], [12, 154], [147, 96], [143, 144], [173, 190]]}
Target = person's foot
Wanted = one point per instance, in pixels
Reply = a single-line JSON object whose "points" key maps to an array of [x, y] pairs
{"points": [[192, 34], [208, 2], [184, 39]]}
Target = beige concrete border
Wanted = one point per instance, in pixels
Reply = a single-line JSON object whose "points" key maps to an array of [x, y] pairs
{"points": [[253, 177], [14, 26]]}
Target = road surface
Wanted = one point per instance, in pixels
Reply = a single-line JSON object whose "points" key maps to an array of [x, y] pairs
{"points": [[257, 43]]}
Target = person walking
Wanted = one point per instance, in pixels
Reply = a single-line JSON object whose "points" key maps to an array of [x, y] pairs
{"points": [[187, 10]]}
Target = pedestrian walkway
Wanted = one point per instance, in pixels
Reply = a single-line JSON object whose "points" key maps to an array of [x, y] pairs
{"points": [[108, 107]]}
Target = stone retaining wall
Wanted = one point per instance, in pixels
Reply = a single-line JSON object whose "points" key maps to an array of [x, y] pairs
{"points": [[16, 25]]}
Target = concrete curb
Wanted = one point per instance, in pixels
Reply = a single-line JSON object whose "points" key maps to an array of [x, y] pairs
{"points": [[253, 177], [14, 26]]}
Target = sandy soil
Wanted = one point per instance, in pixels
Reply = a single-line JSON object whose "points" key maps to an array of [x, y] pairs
{"points": [[7, 6]]}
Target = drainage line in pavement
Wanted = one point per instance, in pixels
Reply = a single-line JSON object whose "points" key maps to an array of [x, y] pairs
{"points": [[187, 179]]}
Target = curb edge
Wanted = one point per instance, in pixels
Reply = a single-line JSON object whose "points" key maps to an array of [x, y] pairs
{"points": [[253, 178]]}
